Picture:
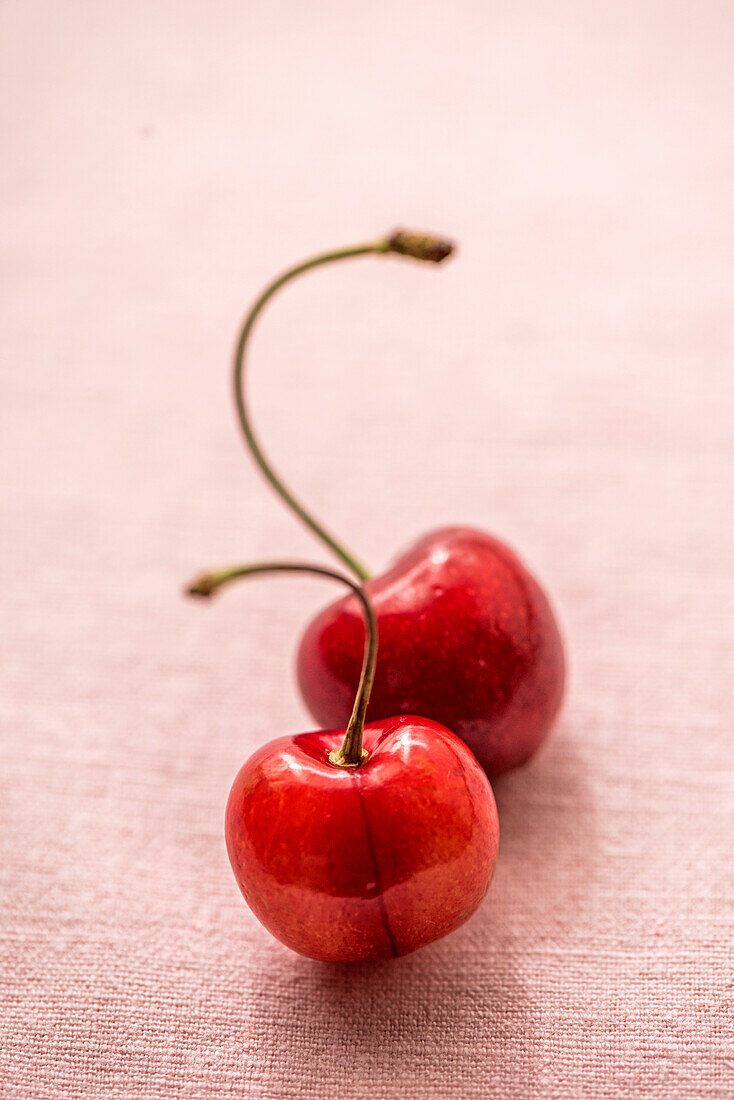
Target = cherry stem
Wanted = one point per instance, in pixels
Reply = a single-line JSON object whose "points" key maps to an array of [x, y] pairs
{"points": [[418, 246], [351, 753]]}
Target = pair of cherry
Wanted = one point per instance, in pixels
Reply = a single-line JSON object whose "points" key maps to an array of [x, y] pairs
{"points": [[366, 841]]}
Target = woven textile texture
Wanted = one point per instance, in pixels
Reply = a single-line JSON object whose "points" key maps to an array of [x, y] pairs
{"points": [[565, 382]]}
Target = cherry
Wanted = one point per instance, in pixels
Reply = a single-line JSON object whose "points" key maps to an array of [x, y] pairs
{"points": [[468, 635], [365, 851]]}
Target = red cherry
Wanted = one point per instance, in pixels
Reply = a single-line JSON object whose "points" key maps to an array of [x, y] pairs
{"points": [[360, 843], [466, 635], [368, 862]]}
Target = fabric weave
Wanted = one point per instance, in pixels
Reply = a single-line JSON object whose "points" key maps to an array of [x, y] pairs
{"points": [[565, 382]]}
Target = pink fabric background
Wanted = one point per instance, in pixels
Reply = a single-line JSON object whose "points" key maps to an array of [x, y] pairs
{"points": [[566, 383]]}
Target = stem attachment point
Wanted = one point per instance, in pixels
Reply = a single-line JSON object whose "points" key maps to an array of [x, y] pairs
{"points": [[337, 758]]}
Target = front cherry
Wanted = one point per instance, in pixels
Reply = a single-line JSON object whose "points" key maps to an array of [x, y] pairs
{"points": [[466, 635], [365, 842], [370, 862]]}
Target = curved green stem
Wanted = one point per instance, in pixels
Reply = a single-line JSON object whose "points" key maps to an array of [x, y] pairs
{"points": [[420, 247], [351, 752]]}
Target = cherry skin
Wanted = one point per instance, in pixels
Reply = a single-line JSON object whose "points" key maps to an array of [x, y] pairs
{"points": [[467, 636], [369, 862]]}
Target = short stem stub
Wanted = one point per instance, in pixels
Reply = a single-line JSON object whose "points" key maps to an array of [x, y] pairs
{"points": [[351, 754], [419, 246]]}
